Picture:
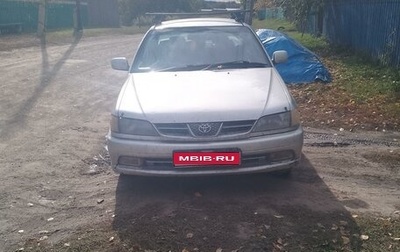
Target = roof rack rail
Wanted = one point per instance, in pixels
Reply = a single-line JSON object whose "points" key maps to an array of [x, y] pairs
{"points": [[236, 14]]}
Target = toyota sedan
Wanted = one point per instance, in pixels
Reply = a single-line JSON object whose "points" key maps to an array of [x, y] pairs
{"points": [[203, 98]]}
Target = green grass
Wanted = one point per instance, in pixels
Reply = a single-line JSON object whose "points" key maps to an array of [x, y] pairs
{"points": [[367, 80], [383, 233]]}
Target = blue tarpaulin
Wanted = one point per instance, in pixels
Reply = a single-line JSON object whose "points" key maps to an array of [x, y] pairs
{"points": [[303, 66]]}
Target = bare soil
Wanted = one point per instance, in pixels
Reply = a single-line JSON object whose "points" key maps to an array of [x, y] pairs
{"points": [[57, 191]]}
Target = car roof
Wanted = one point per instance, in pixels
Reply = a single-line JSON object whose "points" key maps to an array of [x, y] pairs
{"points": [[198, 22]]}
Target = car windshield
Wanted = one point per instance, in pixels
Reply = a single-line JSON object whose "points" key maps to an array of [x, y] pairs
{"points": [[200, 48]]}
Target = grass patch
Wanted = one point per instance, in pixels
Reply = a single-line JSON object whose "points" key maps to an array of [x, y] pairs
{"points": [[367, 80], [383, 234]]}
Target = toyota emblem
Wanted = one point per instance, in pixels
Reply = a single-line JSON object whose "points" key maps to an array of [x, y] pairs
{"points": [[204, 128]]}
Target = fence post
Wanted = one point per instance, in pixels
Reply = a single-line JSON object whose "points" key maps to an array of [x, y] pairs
{"points": [[77, 18], [42, 18], [248, 6]]}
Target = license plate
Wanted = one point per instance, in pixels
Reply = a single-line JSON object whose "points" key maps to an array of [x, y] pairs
{"points": [[203, 158]]}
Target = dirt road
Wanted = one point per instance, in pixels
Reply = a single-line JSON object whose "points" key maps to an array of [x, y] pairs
{"points": [[56, 187]]}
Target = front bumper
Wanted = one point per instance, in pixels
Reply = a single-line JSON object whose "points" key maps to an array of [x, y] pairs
{"points": [[252, 149]]}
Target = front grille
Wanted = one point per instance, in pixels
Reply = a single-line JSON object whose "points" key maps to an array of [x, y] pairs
{"points": [[173, 129], [205, 129], [236, 127]]}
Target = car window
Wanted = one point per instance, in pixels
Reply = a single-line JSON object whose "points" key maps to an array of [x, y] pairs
{"points": [[199, 48]]}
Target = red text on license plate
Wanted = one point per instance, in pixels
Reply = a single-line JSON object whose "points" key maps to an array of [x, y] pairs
{"points": [[206, 158]]}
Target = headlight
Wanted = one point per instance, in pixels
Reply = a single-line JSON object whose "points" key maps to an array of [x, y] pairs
{"points": [[132, 126], [277, 121]]}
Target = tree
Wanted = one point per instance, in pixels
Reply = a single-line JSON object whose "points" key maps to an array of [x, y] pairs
{"points": [[299, 10], [262, 4], [132, 9]]}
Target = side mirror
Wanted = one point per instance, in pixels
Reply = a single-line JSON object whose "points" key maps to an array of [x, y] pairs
{"points": [[279, 57], [120, 63]]}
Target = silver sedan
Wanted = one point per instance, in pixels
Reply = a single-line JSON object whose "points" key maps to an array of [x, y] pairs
{"points": [[203, 98]]}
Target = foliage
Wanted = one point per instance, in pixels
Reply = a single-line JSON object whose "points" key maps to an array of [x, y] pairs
{"points": [[297, 11], [262, 4], [220, 5], [134, 9]]}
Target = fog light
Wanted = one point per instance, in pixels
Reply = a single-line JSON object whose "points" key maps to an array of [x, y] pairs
{"points": [[281, 156], [130, 161]]}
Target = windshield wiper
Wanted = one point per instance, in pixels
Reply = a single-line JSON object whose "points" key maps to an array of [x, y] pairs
{"points": [[181, 68], [235, 64]]}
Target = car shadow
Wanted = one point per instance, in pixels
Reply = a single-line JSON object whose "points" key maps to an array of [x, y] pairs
{"points": [[259, 212]]}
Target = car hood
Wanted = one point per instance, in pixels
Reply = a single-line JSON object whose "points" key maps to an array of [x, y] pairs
{"points": [[203, 96]]}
